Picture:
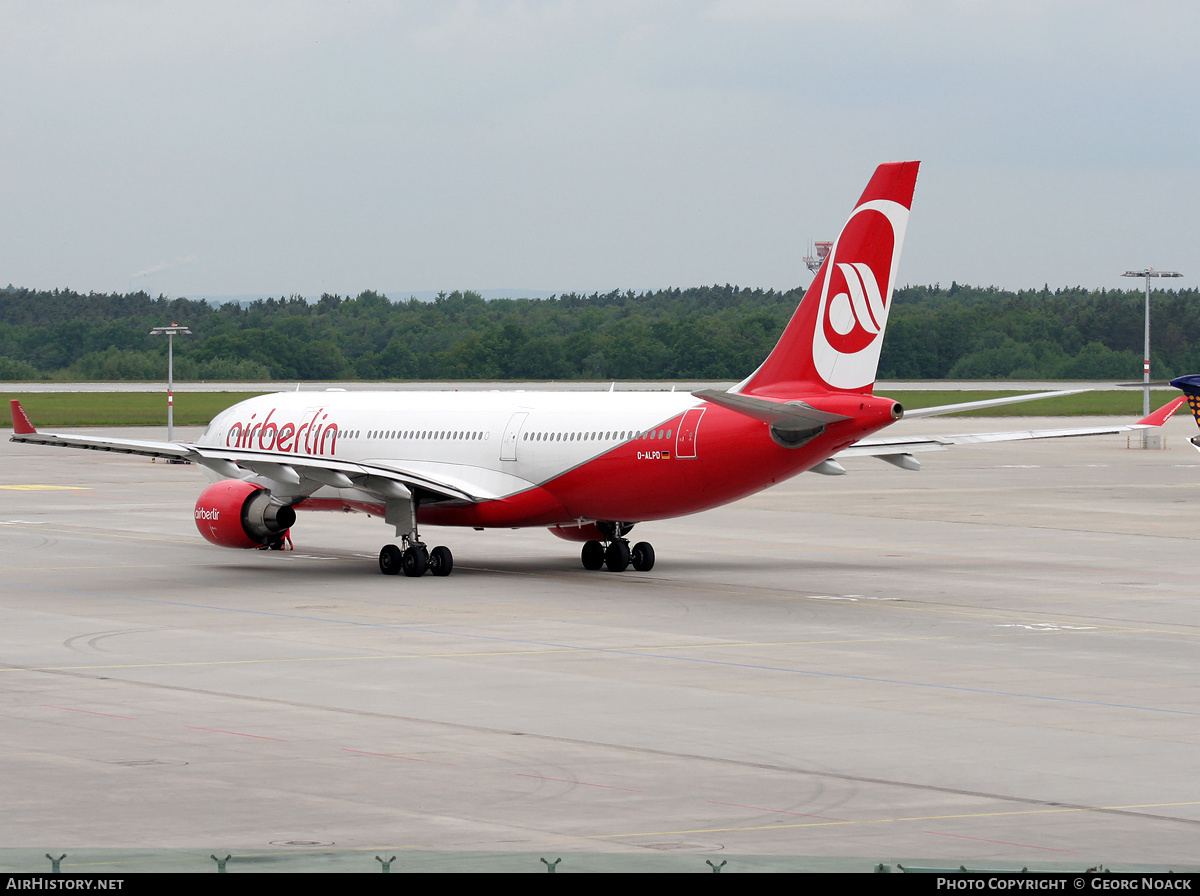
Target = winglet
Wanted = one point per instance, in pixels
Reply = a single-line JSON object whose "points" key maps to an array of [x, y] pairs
{"points": [[21, 424], [1159, 417]]}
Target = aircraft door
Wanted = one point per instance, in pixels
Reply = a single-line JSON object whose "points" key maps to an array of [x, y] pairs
{"points": [[512, 432], [685, 439]]}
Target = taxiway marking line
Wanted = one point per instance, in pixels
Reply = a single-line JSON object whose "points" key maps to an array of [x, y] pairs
{"points": [[88, 712], [870, 821], [539, 646], [579, 783], [1001, 842], [1015, 615], [814, 673], [235, 733], [396, 756], [98, 533], [47, 488], [776, 811], [291, 659], [104, 566], [646, 651]]}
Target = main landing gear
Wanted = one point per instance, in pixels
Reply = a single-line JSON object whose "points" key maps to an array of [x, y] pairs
{"points": [[618, 556], [415, 559]]}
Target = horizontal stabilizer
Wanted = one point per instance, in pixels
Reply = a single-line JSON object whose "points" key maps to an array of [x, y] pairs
{"points": [[796, 413]]}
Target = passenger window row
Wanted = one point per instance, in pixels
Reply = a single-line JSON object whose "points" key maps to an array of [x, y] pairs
{"points": [[471, 435], [594, 436], [422, 434]]}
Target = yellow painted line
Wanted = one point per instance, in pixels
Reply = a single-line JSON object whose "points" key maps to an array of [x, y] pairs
{"points": [[294, 659], [97, 533], [1098, 627], [550, 651], [46, 488], [61, 568]]}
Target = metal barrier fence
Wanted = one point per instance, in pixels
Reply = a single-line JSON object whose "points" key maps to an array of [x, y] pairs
{"points": [[397, 861]]}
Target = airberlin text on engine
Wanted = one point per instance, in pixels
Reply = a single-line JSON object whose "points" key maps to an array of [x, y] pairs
{"points": [[313, 435]]}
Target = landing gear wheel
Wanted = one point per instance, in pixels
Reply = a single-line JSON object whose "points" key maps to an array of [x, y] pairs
{"points": [[642, 556], [416, 561], [616, 558], [391, 558], [441, 561], [592, 555]]}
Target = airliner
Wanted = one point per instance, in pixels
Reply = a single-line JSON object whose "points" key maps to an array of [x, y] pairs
{"points": [[587, 466]]}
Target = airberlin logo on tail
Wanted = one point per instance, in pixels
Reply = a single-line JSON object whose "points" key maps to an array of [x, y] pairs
{"points": [[860, 307], [856, 294], [314, 434]]}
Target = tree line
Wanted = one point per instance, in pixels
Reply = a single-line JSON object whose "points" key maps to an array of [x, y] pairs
{"points": [[702, 333]]}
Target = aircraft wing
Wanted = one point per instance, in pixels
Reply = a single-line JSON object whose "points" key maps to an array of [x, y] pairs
{"points": [[24, 431], [942, 409], [289, 470], [897, 449]]}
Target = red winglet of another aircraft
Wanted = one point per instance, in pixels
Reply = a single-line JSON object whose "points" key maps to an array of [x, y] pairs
{"points": [[1159, 417], [21, 424]]}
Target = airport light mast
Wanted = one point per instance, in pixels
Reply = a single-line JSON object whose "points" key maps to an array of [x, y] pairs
{"points": [[1148, 273], [171, 332]]}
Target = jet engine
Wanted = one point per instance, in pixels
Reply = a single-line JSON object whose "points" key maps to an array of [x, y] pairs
{"points": [[237, 514]]}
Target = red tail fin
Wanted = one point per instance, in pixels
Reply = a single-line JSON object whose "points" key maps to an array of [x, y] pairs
{"points": [[833, 340]]}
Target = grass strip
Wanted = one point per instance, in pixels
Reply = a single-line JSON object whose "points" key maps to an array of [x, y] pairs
{"points": [[1126, 403], [50, 409]]}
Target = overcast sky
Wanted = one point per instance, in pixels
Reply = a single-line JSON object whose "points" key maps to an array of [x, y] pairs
{"points": [[222, 148]]}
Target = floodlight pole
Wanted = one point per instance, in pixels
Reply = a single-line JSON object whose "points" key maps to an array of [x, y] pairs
{"points": [[1148, 273], [170, 332]]}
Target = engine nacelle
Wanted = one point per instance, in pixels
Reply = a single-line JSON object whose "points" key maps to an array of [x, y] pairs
{"points": [[237, 514]]}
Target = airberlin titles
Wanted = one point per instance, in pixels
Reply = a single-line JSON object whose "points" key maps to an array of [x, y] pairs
{"points": [[312, 436]]}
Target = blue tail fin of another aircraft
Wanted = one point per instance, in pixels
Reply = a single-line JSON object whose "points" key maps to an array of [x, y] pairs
{"points": [[1190, 386]]}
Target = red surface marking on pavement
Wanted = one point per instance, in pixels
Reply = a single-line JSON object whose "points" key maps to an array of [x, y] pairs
{"points": [[395, 756], [237, 733], [88, 711]]}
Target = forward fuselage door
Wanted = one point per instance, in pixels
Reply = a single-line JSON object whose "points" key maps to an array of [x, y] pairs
{"points": [[512, 432], [685, 441]]}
